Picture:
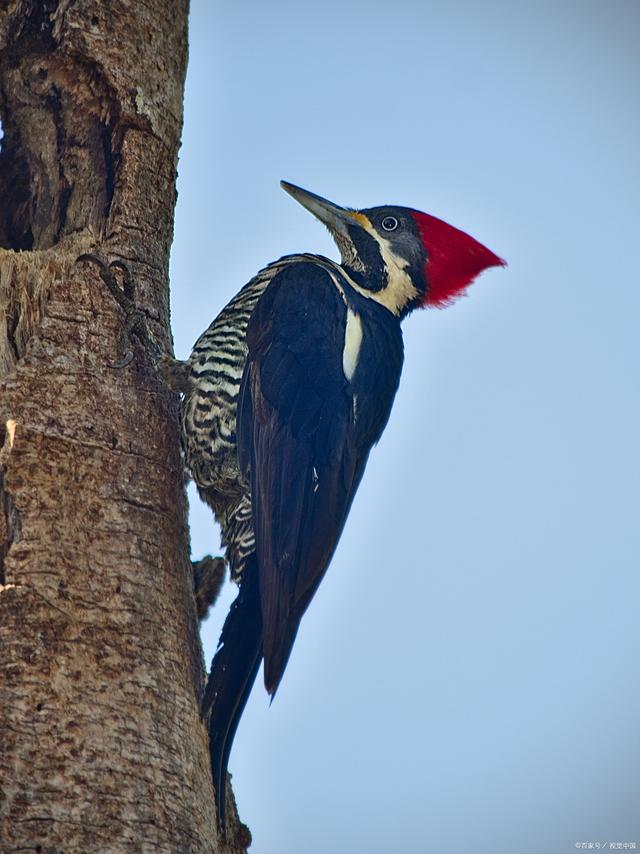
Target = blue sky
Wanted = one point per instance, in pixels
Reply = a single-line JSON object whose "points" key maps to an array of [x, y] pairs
{"points": [[466, 678]]}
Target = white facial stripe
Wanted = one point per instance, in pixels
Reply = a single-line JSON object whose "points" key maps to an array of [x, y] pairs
{"points": [[400, 290], [352, 344]]}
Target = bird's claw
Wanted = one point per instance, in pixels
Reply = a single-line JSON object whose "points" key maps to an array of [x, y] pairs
{"points": [[124, 295], [128, 286], [124, 361], [136, 318]]}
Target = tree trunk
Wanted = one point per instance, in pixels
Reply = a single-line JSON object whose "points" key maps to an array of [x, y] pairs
{"points": [[101, 743]]}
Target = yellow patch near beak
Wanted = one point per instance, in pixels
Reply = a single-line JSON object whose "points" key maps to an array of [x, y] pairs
{"points": [[362, 220]]}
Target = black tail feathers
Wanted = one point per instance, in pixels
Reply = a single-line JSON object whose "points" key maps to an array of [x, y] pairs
{"points": [[233, 673]]}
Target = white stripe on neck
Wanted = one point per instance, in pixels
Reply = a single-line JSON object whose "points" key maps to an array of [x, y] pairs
{"points": [[352, 343]]}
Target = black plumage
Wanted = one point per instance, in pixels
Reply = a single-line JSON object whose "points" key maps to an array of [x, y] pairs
{"points": [[304, 434]]}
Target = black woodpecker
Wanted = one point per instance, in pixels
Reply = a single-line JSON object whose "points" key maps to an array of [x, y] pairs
{"points": [[289, 388]]}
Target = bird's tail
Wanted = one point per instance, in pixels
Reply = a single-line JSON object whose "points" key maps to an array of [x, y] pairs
{"points": [[233, 673]]}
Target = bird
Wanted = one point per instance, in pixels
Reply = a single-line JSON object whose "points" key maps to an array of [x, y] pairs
{"points": [[282, 399], [286, 393]]}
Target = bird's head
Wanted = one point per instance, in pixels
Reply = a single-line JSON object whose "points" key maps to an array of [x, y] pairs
{"points": [[400, 257]]}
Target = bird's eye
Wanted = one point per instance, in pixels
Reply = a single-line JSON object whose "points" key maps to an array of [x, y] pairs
{"points": [[389, 223]]}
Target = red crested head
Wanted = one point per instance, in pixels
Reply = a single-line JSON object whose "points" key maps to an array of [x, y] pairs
{"points": [[400, 257], [454, 259]]}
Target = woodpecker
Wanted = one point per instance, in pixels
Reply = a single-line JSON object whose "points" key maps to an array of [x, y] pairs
{"points": [[288, 390], [284, 396]]}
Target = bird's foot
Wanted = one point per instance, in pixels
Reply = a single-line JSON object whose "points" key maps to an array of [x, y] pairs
{"points": [[208, 578], [174, 373], [135, 318]]}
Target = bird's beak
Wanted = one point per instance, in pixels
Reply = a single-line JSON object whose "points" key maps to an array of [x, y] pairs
{"points": [[333, 216]]}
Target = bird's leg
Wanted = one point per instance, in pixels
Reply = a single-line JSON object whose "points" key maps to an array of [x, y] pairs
{"points": [[174, 372]]}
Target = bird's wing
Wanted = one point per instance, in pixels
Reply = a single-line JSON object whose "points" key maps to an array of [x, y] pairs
{"points": [[296, 437]]}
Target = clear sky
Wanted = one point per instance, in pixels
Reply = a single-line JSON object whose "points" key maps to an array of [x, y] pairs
{"points": [[466, 679]]}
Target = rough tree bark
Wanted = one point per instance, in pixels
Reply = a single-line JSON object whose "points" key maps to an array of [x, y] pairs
{"points": [[101, 743]]}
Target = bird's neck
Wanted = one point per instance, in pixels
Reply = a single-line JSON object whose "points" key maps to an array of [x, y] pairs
{"points": [[387, 283]]}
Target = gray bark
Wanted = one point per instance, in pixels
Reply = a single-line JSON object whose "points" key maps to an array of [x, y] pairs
{"points": [[101, 743]]}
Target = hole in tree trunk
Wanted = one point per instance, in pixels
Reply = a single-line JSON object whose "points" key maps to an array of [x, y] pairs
{"points": [[15, 225]]}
